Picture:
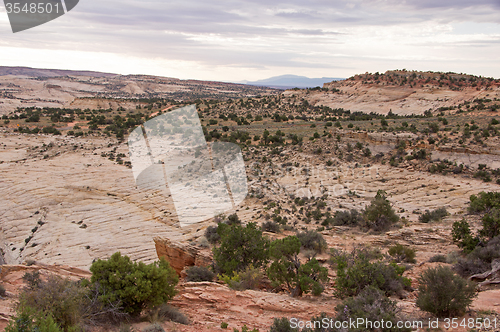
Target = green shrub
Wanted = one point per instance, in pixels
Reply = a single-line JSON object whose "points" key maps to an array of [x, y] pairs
{"points": [[462, 235], [224, 325], [199, 273], [286, 268], [72, 305], [233, 219], [250, 278], [443, 293], [402, 253], [438, 258], [239, 248], [347, 218], [435, 215], [270, 226], [370, 305], [51, 130], [28, 320], [479, 260], [484, 201], [211, 234], [489, 252], [355, 272], [282, 325], [135, 285], [245, 329], [420, 154], [469, 266], [62, 299], [491, 224], [379, 215], [32, 279], [312, 240], [483, 175]]}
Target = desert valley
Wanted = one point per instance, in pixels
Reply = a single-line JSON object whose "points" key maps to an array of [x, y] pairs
{"points": [[384, 173]]}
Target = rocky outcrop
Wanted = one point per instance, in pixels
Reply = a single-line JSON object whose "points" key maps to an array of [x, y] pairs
{"points": [[211, 303], [180, 255], [489, 277]]}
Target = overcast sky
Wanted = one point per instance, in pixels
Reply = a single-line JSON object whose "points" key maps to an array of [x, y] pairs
{"points": [[235, 40]]}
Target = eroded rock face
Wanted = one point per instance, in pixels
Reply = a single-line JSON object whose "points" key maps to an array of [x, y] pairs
{"points": [[180, 255], [489, 277]]}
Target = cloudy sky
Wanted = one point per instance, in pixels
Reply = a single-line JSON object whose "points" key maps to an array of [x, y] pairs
{"points": [[235, 40]]}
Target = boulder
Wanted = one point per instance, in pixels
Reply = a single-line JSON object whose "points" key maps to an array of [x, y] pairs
{"points": [[180, 255]]}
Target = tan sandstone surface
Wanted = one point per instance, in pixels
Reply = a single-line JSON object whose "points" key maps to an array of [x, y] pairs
{"points": [[62, 203]]}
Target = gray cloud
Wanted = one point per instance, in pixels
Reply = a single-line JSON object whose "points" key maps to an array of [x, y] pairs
{"points": [[251, 34]]}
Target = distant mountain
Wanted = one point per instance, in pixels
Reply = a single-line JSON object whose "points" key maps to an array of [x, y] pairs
{"points": [[292, 81], [35, 72]]}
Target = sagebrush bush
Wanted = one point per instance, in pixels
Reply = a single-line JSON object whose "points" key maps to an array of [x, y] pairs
{"points": [[199, 273], [312, 240], [469, 266], [62, 299], [435, 215], [69, 304], [282, 325], [250, 278], [168, 312], [357, 252], [402, 253], [371, 305], [233, 219], [478, 260], [356, 273], [347, 218], [203, 242], [270, 226], [32, 279], [212, 235], [438, 258], [443, 293], [488, 252]]}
